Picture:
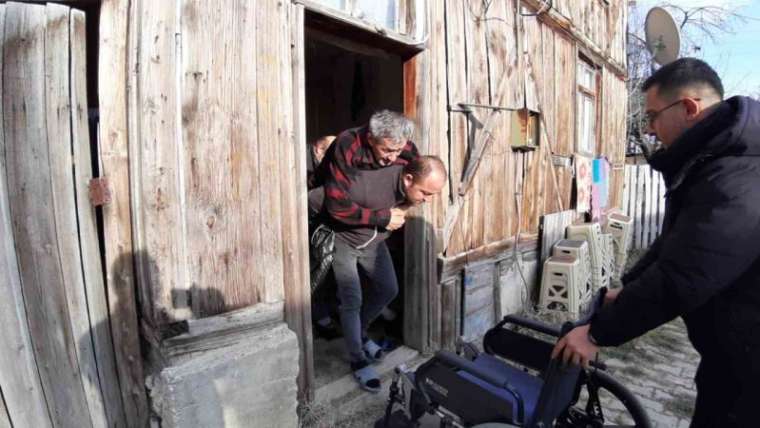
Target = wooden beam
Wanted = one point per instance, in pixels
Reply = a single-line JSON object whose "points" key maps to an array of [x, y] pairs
{"points": [[295, 229], [113, 148], [419, 235], [450, 266], [345, 18]]}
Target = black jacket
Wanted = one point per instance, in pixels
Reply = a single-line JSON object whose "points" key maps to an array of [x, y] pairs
{"points": [[705, 266]]}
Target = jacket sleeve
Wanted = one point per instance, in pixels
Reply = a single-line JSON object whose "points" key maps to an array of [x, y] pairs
{"points": [[713, 241], [643, 263], [337, 185]]}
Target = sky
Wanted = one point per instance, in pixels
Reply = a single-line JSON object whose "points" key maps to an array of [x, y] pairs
{"points": [[734, 55]]}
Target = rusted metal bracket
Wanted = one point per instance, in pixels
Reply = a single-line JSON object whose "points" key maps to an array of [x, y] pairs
{"points": [[100, 191]]}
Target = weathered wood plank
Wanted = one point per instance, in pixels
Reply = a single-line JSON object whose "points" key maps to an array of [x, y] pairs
{"points": [[230, 138], [479, 92], [222, 330], [295, 230], [639, 213], [94, 286], [23, 399], [478, 299], [439, 116], [661, 203], [553, 230], [113, 148], [502, 64], [5, 419], [647, 207], [59, 130], [158, 186], [626, 191], [456, 77], [564, 95], [451, 309], [449, 267], [32, 213]]}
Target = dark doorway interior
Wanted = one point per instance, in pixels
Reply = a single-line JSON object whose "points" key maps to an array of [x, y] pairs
{"points": [[346, 81]]}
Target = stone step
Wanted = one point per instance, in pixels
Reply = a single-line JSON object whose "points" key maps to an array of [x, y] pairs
{"points": [[344, 394]]}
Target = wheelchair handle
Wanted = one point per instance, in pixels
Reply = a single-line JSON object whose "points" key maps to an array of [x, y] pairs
{"points": [[468, 366]]}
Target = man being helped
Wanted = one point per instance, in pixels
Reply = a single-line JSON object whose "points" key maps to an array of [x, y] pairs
{"points": [[705, 265], [373, 175]]}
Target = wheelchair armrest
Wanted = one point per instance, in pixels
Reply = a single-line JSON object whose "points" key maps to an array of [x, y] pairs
{"points": [[468, 366], [529, 323]]}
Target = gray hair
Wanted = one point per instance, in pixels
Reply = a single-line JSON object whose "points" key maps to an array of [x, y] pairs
{"points": [[390, 124]]}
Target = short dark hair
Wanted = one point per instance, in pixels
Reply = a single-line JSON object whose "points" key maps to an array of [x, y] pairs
{"points": [[422, 166], [682, 73]]}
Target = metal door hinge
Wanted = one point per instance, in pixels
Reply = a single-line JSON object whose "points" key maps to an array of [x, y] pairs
{"points": [[100, 191]]}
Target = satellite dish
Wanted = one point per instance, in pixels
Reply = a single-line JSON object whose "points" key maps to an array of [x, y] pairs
{"points": [[662, 36]]}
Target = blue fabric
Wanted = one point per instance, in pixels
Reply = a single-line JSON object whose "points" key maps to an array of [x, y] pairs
{"points": [[528, 386]]}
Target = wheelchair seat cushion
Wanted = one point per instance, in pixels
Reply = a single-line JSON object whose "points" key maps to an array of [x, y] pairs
{"points": [[527, 385]]}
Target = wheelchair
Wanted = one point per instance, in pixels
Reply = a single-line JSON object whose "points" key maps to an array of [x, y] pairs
{"points": [[513, 383]]}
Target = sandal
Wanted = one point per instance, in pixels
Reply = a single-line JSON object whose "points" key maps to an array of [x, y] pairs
{"points": [[372, 350], [366, 376]]}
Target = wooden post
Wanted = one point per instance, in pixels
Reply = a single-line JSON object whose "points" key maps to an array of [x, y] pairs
{"points": [[295, 230], [113, 148]]}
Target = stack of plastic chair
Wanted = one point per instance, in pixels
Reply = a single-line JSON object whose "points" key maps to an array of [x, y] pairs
{"points": [[608, 255], [592, 234], [620, 226], [559, 282], [579, 250]]}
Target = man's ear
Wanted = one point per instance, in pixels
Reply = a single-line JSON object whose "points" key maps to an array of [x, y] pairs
{"points": [[693, 107], [408, 180]]}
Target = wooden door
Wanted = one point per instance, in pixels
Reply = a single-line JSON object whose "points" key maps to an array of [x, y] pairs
{"points": [[56, 356]]}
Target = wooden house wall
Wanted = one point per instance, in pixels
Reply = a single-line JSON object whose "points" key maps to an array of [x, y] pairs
{"points": [[486, 43], [211, 155]]}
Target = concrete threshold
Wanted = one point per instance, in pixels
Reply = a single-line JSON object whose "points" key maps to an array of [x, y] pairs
{"points": [[344, 395]]}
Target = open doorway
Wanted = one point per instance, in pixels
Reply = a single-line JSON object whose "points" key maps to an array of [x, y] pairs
{"points": [[345, 82]]}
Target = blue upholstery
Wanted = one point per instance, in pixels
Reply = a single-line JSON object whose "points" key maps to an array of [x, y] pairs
{"points": [[528, 386]]}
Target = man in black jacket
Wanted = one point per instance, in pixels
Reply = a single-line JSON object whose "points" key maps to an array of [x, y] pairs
{"points": [[705, 266]]}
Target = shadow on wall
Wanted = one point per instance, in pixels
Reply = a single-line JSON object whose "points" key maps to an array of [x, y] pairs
{"points": [[128, 387]]}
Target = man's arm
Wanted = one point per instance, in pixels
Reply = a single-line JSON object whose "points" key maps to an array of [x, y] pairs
{"points": [[339, 173], [711, 244], [643, 263]]}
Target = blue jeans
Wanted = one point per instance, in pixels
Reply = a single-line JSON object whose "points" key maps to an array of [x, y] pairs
{"points": [[359, 308]]}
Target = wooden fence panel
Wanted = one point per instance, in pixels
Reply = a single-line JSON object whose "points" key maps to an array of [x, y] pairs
{"points": [[32, 212], [92, 269], [23, 400], [645, 196], [58, 119]]}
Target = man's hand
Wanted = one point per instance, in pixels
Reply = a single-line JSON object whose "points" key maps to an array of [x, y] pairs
{"points": [[611, 295], [575, 347], [397, 219]]}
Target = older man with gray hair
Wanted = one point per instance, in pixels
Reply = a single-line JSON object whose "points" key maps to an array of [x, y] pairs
{"points": [[365, 199]]}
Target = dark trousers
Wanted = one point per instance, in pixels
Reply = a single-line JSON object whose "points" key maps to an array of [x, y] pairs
{"points": [[358, 308], [728, 391]]}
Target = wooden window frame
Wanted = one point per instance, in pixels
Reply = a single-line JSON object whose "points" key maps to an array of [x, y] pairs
{"points": [[585, 93]]}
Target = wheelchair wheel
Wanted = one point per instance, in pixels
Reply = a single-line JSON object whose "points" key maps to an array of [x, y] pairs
{"points": [[603, 401]]}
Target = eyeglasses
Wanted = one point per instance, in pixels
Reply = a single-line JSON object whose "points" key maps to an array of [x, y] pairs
{"points": [[652, 115]]}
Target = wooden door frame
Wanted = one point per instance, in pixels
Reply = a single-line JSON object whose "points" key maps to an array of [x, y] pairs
{"points": [[418, 241]]}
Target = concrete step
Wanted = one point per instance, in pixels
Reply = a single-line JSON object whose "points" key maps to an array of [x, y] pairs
{"points": [[344, 395]]}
